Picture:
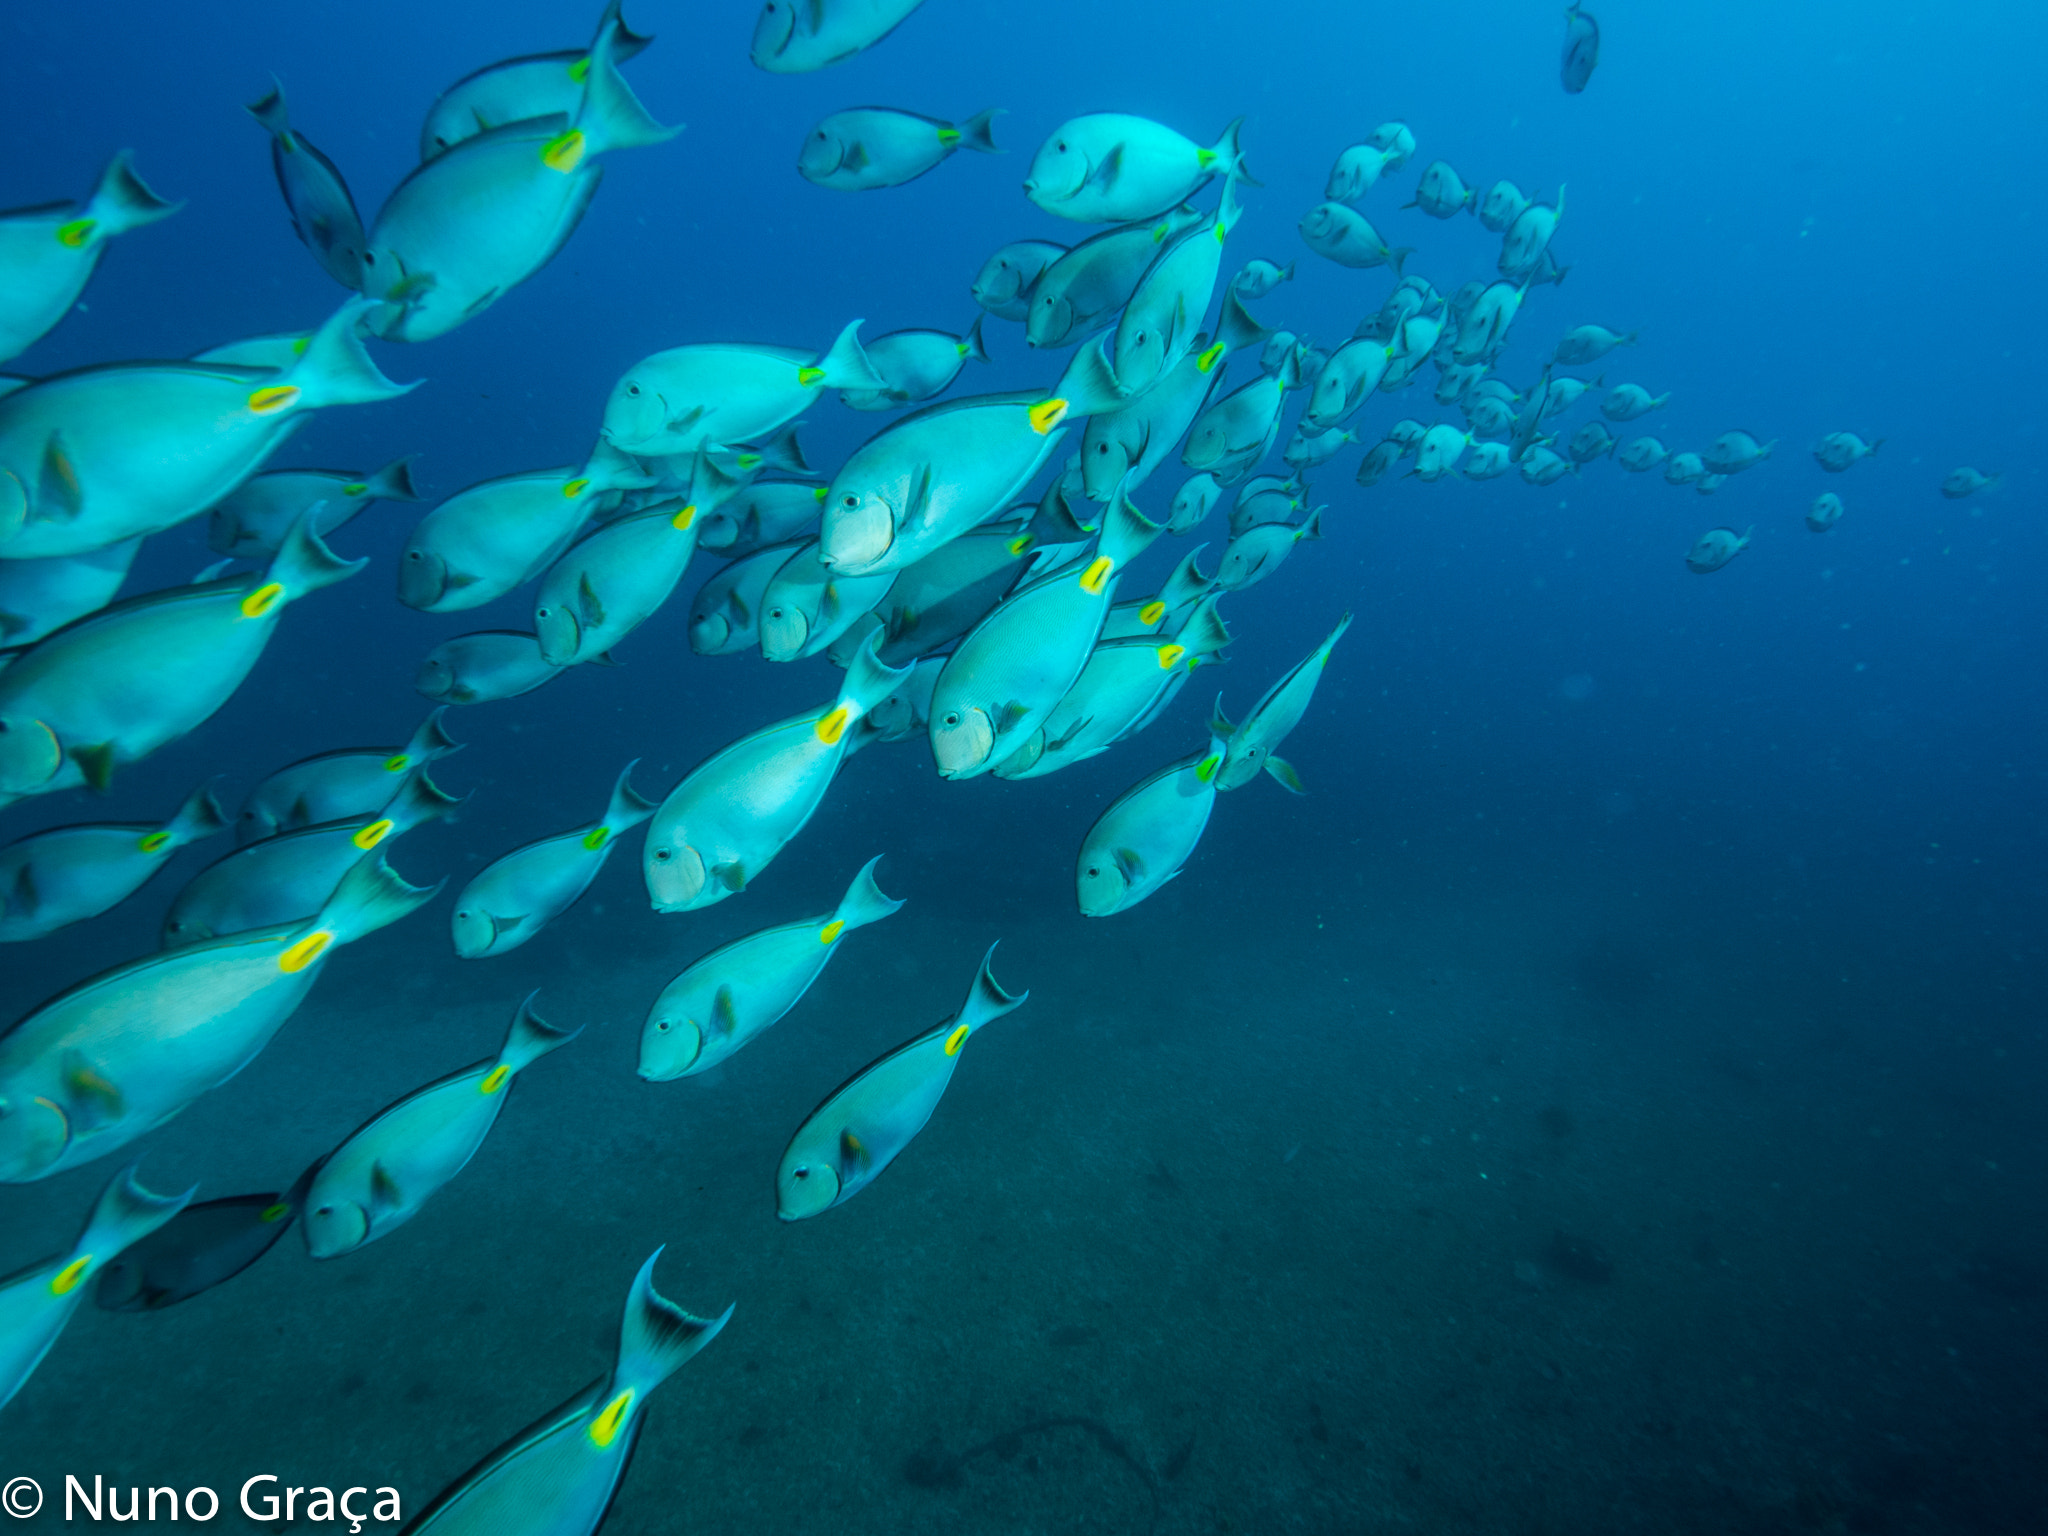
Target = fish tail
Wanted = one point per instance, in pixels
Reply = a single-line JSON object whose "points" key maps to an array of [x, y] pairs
{"points": [[869, 679], [978, 132], [1204, 634], [393, 482], [864, 901], [370, 897], [1126, 533], [783, 452], [270, 112], [628, 808], [610, 116], [1186, 582], [303, 563], [626, 43], [977, 350], [200, 816], [335, 369], [530, 1038], [419, 800], [1089, 387], [125, 1214], [846, 365], [1336, 634], [657, 1337], [123, 201], [986, 1002], [1230, 153], [1235, 327], [1219, 723], [611, 468], [431, 741]]}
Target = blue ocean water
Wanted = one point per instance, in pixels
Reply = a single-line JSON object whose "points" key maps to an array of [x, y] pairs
{"points": [[1608, 1100]]}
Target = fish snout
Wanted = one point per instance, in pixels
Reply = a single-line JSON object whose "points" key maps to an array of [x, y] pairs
{"points": [[422, 579], [962, 740], [335, 1228], [805, 1189], [675, 875], [560, 634]]}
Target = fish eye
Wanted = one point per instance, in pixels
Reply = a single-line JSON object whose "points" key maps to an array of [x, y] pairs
{"points": [[415, 555], [663, 1026], [1093, 871], [849, 500], [800, 1173], [1061, 147], [462, 914], [325, 1210], [663, 855], [953, 717], [633, 389]]}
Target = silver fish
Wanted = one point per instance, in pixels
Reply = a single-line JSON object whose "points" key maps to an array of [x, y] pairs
{"points": [[1253, 741], [515, 90], [48, 253], [348, 782], [1147, 834], [64, 875], [323, 213], [1715, 549], [486, 665]]}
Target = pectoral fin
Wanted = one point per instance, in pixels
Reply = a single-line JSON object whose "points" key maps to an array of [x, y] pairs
{"points": [[23, 900], [97, 764], [732, 876], [90, 1100], [1133, 866], [384, 1192], [1105, 173], [853, 1157], [500, 926], [723, 1015], [1009, 715], [1283, 770], [856, 158], [58, 493], [587, 600]]}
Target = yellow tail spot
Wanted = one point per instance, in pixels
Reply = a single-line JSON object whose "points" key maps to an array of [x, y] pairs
{"points": [[306, 951], [1047, 414], [299, 346], [260, 602], [397, 763], [1019, 544], [956, 1039], [595, 838], [65, 1281], [579, 69], [604, 1429], [77, 232], [1152, 613], [822, 492], [354, 488], [1097, 573], [494, 1079], [949, 136], [1205, 770], [576, 487], [1205, 158], [564, 152], [1169, 654], [831, 930], [275, 1213], [834, 725], [807, 376], [375, 833], [1219, 231], [750, 461], [682, 520], [1159, 234], [278, 397], [153, 842], [1209, 357]]}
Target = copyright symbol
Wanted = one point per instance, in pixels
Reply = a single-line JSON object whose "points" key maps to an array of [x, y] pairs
{"points": [[22, 1497]]}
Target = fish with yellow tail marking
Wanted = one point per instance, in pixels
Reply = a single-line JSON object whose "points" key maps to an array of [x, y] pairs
{"points": [[808, 605], [48, 253], [559, 1476], [486, 214], [67, 874], [252, 520], [520, 89], [109, 452], [1017, 664], [916, 365], [334, 786], [323, 212], [794, 38], [734, 812], [865, 1123], [113, 687], [614, 580], [867, 148], [36, 1303], [119, 1054], [380, 1177], [204, 1245], [1252, 742], [1148, 834], [1108, 167], [516, 896], [740, 989], [1160, 324]]}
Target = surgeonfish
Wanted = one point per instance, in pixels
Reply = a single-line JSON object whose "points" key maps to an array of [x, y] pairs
{"points": [[613, 581], [867, 148], [332, 786], [486, 665], [521, 892], [1356, 171], [1581, 48], [734, 812], [1003, 286], [792, 38], [1111, 168], [48, 253], [1193, 502], [1833, 453], [1825, 512], [1266, 499], [1252, 742], [725, 615], [1544, 466], [906, 713], [1257, 553], [1233, 434], [715, 395], [1148, 834], [1527, 241], [1307, 449], [1346, 382], [39, 597], [558, 1477], [1625, 402], [1714, 549], [809, 604], [1343, 235], [499, 534], [203, 1246], [1082, 289], [484, 215], [935, 601], [517, 90], [1957, 484], [64, 875], [759, 514], [1683, 468], [1437, 455], [1166, 610], [1592, 441], [864, 1124], [915, 365], [399, 1159], [99, 455], [1120, 449], [120, 683], [1441, 193], [1259, 277], [1640, 455], [289, 877], [1163, 318], [1584, 344], [1484, 330], [1486, 461], [323, 213], [121, 1053], [1733, 452], [36, 1303], [1501, 206], [738, 990], [1015, 666], [250, 521]]}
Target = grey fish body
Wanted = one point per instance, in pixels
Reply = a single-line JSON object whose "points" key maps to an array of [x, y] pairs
{"points": [[808, 605], [1346, 382], [916, 365], [1111, 167], [1683, 468], [1541, 466], [1715, 549], [1584, 344], [934, 602], [1486, 461], [481, 667], [613, 581], [380, 1177], [1147, 834], [1079, 291], [1342, 235], [1626, 402], [731, 995], [1527, 241], [1357, 171], [1120, 449], [1733, 452], [1254, 740], [795, 39], [725, 615], [49, 253], [1162, 322], [515, 90], [1592, 441], [1581, 49], [866, 1123], [66, 874], [1234, 433], [1502, 205], [716, 395], [338, 785], [251, 521], [1307, 449], [1258, 552], [864, 149], [203, 1246], [763, 513], [1259, 277], [1004, 285], [734, 812], [1193, 502], [1484, 330], [1834, 453], [518, 894], [1442, 193], [323, 213], [1639, 455], [39, 597], [1825, 512], [1957, 484]]}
